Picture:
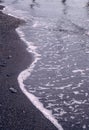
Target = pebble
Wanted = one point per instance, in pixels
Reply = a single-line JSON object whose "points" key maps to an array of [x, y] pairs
{"points": [[9, 57], [13, 90]]}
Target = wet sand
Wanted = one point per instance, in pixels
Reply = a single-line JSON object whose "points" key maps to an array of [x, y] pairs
{"points": [[16, 111]]}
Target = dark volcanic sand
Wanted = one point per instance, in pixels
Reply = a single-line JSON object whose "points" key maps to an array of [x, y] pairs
{"points": [[16, 111]]}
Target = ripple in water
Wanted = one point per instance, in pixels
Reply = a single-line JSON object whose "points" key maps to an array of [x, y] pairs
{"points": [[60, 77]]}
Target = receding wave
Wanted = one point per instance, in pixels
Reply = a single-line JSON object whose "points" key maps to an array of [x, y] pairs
{"points": [[57, 81]]}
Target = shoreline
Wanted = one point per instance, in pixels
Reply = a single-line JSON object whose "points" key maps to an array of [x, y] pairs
{"points": [[16, 111]]}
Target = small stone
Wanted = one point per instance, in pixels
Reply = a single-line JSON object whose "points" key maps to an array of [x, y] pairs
{"points": [[13, 90], [9, 57], [84, 126], [8, 75], [24, 112]]}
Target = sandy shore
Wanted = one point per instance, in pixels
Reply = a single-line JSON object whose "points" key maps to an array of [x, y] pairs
{"points": [[16, 111]]}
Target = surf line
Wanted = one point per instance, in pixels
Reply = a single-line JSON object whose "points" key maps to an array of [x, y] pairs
{"points": [[27, 72]]}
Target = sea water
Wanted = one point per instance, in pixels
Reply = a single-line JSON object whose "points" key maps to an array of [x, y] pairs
{"points": [[57, 82]]}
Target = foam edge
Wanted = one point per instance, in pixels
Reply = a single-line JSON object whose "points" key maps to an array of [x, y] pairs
{"points": [[27, 72]]}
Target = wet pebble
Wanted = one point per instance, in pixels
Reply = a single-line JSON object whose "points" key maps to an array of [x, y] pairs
{"points": [[9, 57], [12, 90], [8, 75]]}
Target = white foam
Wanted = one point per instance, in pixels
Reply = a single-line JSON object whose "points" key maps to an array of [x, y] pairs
{"points": [[35, 24], [43, 88], [63, 87], [16, 13], [76, 92], [84, 127], [78, 70], [62, 112], [24, 74], [78, 102]]}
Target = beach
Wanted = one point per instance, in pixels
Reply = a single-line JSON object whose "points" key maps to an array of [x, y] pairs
{"points": [[16, 111], [44, 65]]}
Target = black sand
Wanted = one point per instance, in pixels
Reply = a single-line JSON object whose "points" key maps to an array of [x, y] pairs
{"points": [[16, 111]]}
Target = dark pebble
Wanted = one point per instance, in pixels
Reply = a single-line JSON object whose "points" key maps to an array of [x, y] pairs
{"points": [[8, 75]]}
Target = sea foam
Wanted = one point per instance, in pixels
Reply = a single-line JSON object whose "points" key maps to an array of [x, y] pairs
{"points": [[27, 72], [23, 76]]}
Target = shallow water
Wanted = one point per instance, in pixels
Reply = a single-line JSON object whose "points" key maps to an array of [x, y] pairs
{"points": [[60, 37]]}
